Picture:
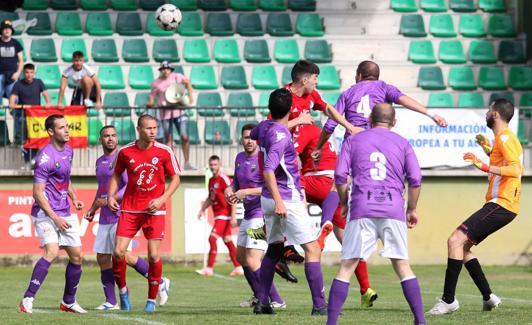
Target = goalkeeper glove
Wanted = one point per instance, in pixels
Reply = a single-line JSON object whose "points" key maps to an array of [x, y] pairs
{"points": [[483, 141], [471, 158]]}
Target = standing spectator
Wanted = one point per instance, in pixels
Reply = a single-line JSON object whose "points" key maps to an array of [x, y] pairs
{"points": [[26, 92], [10, 59], [87, 86]]}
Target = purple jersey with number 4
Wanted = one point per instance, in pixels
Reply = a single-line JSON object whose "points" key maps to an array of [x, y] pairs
{"points": [[379, 160], [277, 154], [104, 172], [357, 102], [52, 168], [247, 175]]}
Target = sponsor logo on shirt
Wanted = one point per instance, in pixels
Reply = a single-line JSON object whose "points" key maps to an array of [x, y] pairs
{"points": [[132, 161], [44, 159], [279, 136]]}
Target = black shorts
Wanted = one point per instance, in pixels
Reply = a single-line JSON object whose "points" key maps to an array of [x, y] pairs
{"points": [[490, 218], [77, 96]]}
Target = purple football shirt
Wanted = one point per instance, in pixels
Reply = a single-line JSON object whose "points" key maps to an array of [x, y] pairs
{"points": [[357, 102], [379, 160], [104, 173], [247, 175], [277, 154], [52, 168]]}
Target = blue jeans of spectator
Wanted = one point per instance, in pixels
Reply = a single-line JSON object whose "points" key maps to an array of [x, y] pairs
{"points": [[21, 133], [6, 85]]}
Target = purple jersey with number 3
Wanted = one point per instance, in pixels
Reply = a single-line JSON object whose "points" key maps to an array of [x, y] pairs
{"points": [[357, 102], [104, 172], [277, 154], [247, 175], [379, 160]]}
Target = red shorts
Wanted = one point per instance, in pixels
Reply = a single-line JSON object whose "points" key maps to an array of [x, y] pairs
{"points": [[130, 223], [222, 227], [316, 190]]}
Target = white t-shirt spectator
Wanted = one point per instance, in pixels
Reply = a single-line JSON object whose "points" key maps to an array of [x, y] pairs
{"points": [[76, 76]]}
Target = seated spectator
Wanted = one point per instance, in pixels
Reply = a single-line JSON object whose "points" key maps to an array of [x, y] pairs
{"points": [[10, 59], [87, 88]]}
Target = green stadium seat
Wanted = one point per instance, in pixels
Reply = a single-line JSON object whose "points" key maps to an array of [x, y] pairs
{"points": [[111, 77], [421, 52], [116, 104], [240, 104], [256, 51], [412, 26], [151, 5], [243, 5], [249, 24], [212, 5], [482, 52], [272, 5], [140, 76], [179, 69], [196, 51], [209, 104], [318, 51], [501, 26], [328, 79], [234, 77], [165, 50], [203, 77], [43, 50], [451, 52], [511, 51], [219, 24], [125, 130], [526, 100], [35, 5], [404, 5], [92, 112], [279, 25], [462, 5], [185, 5], [135, 50], [21, 42], [520, 78], [104, 50], [192, 131], [430, 78], [264, 77], [240, 124], [506, 95], [43, 27], [521, 132], [331, 97], [226, 51], [264, 97], [93, 4], [286, 51], [470, 100], [471, 26], [129, 24], [68, 24], [462, 78], [49, 74], [54, 95], [123, 5], [94, 126], [491, 78], [492, 5], [302, 5], [442, 26], [217, 132], [309, 25], [286, 75], [153, 29], [63, 4], [440, 100], [99, 24], [190, 25], [70, 45], [433, 5], [141, 99]]}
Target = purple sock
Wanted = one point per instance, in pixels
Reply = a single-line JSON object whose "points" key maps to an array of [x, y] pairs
{"points": [[412, 293], [274, 295], [329, 207], [72, 276], [250, 277], [40, 271], [315, 282], [267, 271], [108, 282], [142, 267], [337, 297]]}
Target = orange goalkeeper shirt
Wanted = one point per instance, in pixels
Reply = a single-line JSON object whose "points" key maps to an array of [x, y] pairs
{"points": [[505, 189]]}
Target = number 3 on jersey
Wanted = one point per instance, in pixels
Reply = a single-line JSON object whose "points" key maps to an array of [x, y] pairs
{"points": [[378, 172]]}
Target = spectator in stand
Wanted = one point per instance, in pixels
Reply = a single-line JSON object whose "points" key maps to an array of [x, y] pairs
{"points": [[10, 59]]}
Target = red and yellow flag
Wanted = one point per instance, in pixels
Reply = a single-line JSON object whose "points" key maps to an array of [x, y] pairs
{"points": [[76, 117]]}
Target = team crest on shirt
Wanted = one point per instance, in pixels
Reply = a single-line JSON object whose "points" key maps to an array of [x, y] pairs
{"points": [[155, 160], [216, 185], [57, 165], [237, 166], [253, 168]]}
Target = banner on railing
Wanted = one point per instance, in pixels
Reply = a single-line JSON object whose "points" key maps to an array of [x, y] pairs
{"points": [[76, 117]]}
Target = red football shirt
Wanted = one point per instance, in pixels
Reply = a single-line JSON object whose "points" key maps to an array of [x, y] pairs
{"points": [[146, 171], [217, 186], [305, 142]]}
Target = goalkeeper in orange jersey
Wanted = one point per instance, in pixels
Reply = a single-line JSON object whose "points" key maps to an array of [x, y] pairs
{"points": [[502, 205]]}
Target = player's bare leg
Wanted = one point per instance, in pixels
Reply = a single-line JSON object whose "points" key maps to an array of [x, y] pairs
{"points": [[72, 277], [155, 272], [315, 277], [411, 289], [108, 281], [119, 270]]}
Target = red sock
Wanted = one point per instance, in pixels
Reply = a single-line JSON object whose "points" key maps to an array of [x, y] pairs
{"points": [[232, 252], [119, 271], [362, 276], [154, 278], [212, 251]]}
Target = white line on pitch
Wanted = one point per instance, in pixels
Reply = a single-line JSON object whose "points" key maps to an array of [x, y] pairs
{"points": [[216, 275], [134, 319], [41, 311]]}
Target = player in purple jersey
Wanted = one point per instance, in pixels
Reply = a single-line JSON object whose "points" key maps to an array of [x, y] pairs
{"points": [[106, 235], [282, 204], [54, 224], [379, 161]]}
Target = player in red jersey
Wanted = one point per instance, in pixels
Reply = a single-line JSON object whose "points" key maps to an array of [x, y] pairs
{"points": [[224, 218], [318, 183], [147, 163]]}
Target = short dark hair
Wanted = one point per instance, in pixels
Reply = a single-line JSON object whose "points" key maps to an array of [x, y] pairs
{"points": [[49, 123], [29, 66], [214, 157], [248, 127], [382, 113], [368, 70], [106, 127], [280, 103], [504, 107], [303, 67], [144, 117], [77, 54]]}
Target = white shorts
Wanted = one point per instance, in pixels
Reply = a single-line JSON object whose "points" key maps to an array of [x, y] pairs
{"points": [[296, 228], [106, 239], [361, 236], [49, 233], [243, 240]]}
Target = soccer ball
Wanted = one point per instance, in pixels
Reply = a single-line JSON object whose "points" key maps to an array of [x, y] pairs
{"points": [[168, 17]]}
